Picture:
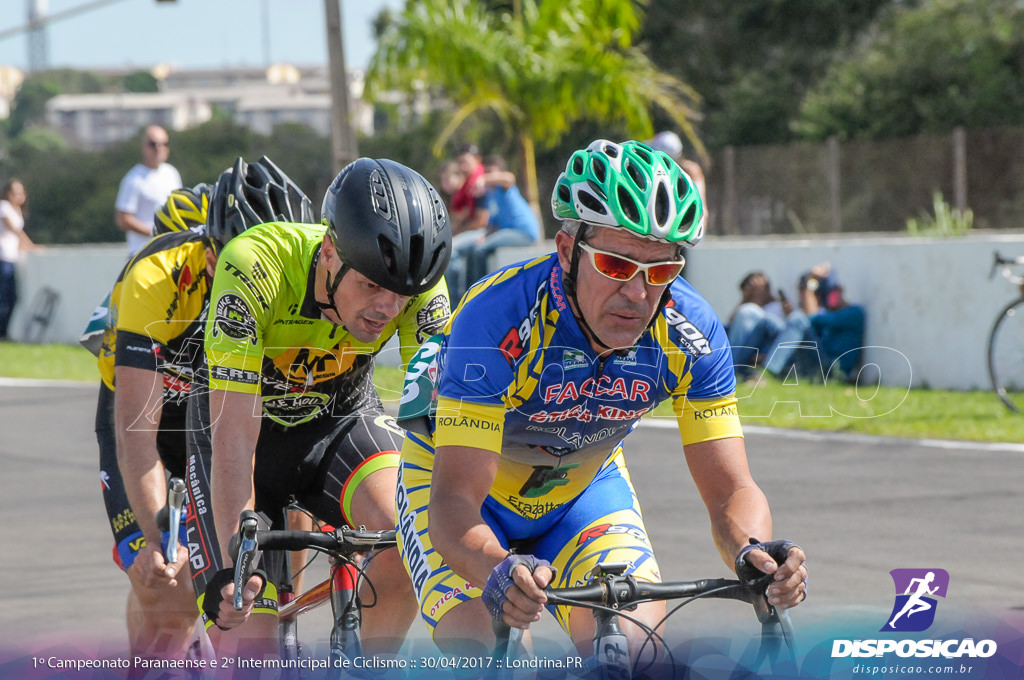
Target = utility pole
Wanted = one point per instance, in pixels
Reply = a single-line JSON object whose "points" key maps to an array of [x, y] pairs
{"points": [[38, 47], [344, 146]]}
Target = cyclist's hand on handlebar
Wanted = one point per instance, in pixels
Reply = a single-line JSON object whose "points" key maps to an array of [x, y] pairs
{"points": [[515, 590], [150, 569], [785, 562], [220, 594]]}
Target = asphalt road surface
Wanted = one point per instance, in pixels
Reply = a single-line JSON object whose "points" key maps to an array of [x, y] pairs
{"points": [[860, 507]]}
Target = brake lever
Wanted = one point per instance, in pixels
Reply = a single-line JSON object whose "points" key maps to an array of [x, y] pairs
{"points": [[175, 505], [248, 555]]}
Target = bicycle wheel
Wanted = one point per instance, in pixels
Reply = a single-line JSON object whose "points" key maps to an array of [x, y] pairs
{"points": [[1006, 356]]}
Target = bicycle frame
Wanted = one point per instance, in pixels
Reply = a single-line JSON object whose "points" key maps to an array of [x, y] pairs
{"points": [[340, 589]]}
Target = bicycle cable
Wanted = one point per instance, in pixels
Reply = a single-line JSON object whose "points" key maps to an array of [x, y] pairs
{"points": [[651, 634]]}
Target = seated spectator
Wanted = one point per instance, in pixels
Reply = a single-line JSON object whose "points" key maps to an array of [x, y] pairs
{"points": [[757, 321], [510, 219], [465, 201], [826, 330]]}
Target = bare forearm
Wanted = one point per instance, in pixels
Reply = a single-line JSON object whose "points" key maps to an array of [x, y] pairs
{"points": [[231, 489], [128, 222], [467, 544], [461, 481], [744, 515], [138, 407], [234, 437], [144, 479]]}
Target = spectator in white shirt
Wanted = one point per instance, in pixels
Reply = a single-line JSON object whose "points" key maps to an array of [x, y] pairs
{"points": [[13, 240], [145, 188]]}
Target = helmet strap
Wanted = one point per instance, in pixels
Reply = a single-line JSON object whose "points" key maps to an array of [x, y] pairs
{"points": [[332, 288], [569, 284]]}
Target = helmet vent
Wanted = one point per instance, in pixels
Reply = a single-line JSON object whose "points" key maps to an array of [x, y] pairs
{"points": [[681, 188], [597, 164], [379, 195], [611, 150], [591, 203], [634, 174], [577, 165], [564, 193], [661, 204], [644, 154], [387, 253], [415, 253], [688, 218], [628, 205]]}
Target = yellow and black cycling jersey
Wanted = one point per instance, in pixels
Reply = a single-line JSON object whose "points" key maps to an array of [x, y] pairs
{"points": [[157, 311], [267, 336], [514, 374]]}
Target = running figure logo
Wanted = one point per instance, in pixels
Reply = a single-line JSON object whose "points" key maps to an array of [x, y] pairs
{"points": [[914, 609]]}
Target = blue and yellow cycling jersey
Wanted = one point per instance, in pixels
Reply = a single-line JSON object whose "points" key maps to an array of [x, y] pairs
{"points": [[515, 374]]}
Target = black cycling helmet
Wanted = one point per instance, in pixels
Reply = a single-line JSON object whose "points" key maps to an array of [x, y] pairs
{"points": [[389, 224], [249, 194]]}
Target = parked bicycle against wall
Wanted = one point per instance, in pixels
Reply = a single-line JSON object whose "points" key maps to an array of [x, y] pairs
{"points": [[1006, 340]]}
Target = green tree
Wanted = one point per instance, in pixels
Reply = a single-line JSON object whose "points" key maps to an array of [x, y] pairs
{"points": [[539, 67], [924, 69], [752, 61], [140, 81], [29, 106]]}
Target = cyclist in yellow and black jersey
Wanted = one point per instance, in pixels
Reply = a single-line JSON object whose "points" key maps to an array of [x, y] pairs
{"points": [[151, 350], [298, 312]]}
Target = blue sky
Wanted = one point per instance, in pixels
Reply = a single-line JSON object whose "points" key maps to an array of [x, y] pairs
{"points": [[192, 33]]}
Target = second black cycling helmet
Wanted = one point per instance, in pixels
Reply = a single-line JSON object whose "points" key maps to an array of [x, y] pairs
{"points": [[389, 224], [255, 193]]}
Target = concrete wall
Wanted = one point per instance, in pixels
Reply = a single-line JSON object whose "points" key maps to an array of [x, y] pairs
{"points": [[930, 303], [81, 275]]}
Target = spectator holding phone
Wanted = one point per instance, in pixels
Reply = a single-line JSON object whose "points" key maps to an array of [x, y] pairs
{"points": [[767, 330], [757, 321]]}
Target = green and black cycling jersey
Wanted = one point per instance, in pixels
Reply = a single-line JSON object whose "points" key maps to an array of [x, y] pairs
{"points": [[266, 334]]}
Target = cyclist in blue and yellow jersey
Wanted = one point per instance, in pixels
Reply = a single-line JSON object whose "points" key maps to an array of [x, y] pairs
{"points": [[517, 413], [298, 312], [147, 362]]}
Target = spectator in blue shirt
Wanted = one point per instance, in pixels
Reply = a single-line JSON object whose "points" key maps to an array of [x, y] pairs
{"points": [[833, 331], [509, 220]]}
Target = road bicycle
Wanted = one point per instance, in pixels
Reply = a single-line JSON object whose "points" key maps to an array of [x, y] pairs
{"points": [[611, 593], [350, 551], [1006, 340]]}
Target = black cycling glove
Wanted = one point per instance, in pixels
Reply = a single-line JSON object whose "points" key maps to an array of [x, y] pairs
{"points": [[212, 597], [777, 550]]}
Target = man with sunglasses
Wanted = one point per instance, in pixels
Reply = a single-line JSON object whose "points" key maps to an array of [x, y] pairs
{"points": [[145, 188], [513, 476]]}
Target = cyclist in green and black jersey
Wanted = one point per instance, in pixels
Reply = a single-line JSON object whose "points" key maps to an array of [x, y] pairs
{"points": [[298, 312]]}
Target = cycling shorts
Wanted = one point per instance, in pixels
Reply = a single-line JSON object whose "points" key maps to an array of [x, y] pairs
{"points": [[319, 463], [125, 552], [602, 524]]}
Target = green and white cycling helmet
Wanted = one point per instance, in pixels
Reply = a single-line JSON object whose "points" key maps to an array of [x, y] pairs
{"points": [[630, 186]]}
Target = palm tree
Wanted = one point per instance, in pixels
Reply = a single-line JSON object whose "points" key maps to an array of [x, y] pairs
{"points": [[540, 69]]}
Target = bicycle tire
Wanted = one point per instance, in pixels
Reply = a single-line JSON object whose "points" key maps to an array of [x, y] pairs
{"points": [[1006, 356]]}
